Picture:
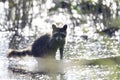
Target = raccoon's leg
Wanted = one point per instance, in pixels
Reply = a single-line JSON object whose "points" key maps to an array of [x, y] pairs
{"points": [[61, 52]]}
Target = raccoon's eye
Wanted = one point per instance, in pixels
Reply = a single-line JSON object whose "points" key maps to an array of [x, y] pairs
{"points": [[63, 35], [55, 35]]}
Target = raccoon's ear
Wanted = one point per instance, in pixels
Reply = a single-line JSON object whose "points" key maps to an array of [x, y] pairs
{"points": [[65, 27], [53, 26]]}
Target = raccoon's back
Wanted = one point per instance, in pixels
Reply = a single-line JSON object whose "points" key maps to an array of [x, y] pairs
{"points": [[40, 46]]}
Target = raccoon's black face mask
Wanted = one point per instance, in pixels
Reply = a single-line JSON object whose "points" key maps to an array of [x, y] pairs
{"points": [[59, 34]]}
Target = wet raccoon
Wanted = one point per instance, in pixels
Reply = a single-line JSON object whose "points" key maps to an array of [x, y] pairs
{"points": [[46, 45]]}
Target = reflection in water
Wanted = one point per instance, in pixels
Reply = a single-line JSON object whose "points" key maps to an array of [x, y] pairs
{"points": [[62, 70], [71, 70], [28, 68]]}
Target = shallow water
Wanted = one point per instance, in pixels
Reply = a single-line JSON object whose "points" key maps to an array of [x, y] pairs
{"points": [[69, 70], [72, 70]]}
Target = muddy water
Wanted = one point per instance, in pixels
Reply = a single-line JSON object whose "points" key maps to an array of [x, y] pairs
{"points": [[53, 70]]}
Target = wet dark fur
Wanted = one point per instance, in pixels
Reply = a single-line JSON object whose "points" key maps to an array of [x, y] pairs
{"points": [[20, 53], [46, 45]]}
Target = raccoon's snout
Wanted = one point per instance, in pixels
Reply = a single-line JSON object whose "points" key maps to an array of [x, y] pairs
{"points": [[59, 38]]}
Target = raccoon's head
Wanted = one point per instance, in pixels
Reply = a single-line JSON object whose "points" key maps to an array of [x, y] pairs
{"points": [[59, 34]]}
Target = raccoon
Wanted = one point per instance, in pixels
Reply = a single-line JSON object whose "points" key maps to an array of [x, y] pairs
{"points": [[47, 45]]}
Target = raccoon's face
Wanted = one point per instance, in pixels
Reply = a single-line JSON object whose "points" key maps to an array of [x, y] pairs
{"points": [[59, 34]]}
